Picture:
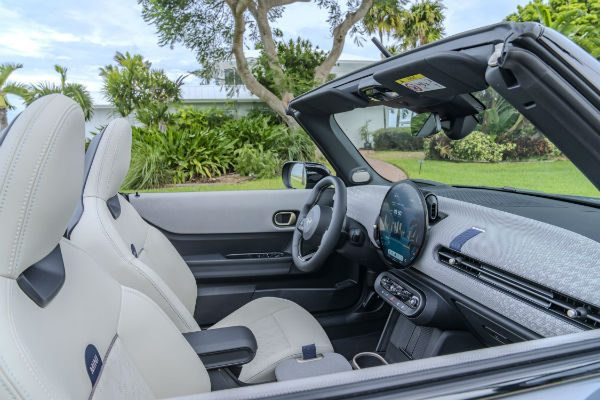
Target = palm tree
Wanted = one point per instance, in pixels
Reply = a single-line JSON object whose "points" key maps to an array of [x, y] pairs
{"points": [[421, 24], [7, 88], [76, 91], [384, 17], [586, 36]]}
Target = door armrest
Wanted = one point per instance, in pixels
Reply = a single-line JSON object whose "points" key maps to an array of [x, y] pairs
{"points": [[223, 347]]}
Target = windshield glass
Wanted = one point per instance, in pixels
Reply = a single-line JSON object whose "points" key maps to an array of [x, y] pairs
{"points": [[505, 149]]}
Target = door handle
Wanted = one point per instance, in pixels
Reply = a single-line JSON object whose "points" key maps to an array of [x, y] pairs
{"points": [[284, 218]]}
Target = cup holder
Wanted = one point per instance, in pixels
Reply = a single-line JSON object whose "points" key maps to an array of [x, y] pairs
{"points": [[367, 359]]}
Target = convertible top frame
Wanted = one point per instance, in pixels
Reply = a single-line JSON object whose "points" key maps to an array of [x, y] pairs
{"points": [[549, 79]]}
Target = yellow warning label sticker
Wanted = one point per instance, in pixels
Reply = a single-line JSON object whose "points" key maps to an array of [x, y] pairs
{"points": [[419, 83]]}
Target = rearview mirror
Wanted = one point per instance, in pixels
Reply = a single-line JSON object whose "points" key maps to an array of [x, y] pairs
{"points": [[303, 175], [425, 124]]}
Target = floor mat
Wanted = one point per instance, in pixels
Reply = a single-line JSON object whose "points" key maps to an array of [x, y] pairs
{"points": [[350, 346]]}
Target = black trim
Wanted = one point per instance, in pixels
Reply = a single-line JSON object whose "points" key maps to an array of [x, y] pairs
{"points": [[42, 281], [223, 347], [114, 206], [90, 154]]}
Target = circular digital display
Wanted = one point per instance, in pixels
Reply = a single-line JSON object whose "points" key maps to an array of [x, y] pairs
{"points": [[402, 224]]}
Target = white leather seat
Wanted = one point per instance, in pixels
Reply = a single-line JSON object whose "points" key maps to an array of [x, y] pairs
{"points": [[68, 330], [141, 257]]}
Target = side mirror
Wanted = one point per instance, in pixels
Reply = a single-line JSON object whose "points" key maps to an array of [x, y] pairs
{"points": [[303, 175], [425, 124]]}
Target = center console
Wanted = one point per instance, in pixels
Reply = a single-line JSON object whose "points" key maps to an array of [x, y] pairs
{"points": [[402, 296], [421, 323]]}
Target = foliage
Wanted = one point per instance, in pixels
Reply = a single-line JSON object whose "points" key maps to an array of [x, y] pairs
{"points": [[286, 143], [133, 86], [6, 88], [365, 134], [579, 20], [477, 146], [384, 17], [149, 167], [256, 161], [421, 24], [219, 30], [396, 139], [199, 144], [298, 60], [76, 91], [526, 147], [183, 154], [500, 119]]}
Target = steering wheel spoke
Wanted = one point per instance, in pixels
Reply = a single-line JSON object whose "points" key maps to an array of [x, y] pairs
{"points": [[307, 256], [319, 226]]}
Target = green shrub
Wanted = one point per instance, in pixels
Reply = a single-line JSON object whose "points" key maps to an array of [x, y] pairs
{"points": [[477, 146], [396, 139], [201, 143], [256, 161], [437, 147], [525, 147], [262, 129], [183, 154], [149, 167]]}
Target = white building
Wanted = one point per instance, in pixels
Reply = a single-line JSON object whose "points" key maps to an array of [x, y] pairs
{"points": [[214, 95]]}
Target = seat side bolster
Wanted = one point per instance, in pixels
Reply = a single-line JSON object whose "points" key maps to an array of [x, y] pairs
{"points": [[157, 347], [97, 234]]}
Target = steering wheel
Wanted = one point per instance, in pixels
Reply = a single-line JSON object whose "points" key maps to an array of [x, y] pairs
{"points": [[319, 227]]}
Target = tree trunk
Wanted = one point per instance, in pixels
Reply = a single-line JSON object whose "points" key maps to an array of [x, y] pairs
{"points": [[339, 38], [3, 120], [243, 69]]}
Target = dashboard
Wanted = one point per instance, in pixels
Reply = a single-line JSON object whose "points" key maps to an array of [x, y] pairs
{"points": [[513, 262]]}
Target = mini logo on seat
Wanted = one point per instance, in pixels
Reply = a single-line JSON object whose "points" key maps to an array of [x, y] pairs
{"points": [[93, 362]]}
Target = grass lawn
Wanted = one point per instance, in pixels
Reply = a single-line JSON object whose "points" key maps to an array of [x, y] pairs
{"points": [[559, 176]]}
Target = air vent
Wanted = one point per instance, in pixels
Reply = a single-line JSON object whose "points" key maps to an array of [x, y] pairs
{"points": [[542, 297]]}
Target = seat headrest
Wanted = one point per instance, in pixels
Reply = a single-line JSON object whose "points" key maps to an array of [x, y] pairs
{"points": [[111, 161], [41, 170]]}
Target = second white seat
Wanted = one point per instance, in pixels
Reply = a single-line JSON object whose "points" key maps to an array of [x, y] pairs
{"points": [[139, 256]]}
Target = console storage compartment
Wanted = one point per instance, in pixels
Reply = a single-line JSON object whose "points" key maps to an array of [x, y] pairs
{"points": [[223, 347]]}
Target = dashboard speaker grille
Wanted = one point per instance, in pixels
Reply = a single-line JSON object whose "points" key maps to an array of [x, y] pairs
{"points": [[563, 306]]}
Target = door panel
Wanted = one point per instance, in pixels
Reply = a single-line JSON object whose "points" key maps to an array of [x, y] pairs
{"points": [[237, 253], [249, 211]]}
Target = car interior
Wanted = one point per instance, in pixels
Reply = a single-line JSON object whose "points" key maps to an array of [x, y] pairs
{"points": [[158, 295]]}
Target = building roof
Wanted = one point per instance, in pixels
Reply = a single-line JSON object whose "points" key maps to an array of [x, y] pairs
{"points": [[197, 93]]}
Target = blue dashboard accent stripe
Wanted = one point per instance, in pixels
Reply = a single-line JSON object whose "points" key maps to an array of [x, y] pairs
{"points": [[459, 241]]}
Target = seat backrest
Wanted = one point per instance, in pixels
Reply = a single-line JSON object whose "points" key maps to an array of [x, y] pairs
{"points": [[67, 329], [108, 227]]}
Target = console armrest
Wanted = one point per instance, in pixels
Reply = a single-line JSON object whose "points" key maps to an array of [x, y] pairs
{"points": [[223, 347]]}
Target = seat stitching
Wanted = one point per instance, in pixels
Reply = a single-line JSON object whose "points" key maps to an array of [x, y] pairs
{"points": [[39, 173], [22, 351], [16, 152], [139, 270]]}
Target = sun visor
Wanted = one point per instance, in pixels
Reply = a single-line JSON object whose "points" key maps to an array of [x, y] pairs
{"points": [[329, 101], [439, 76]]}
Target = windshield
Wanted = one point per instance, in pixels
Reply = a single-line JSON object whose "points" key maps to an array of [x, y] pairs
{"points": [[504, 150]]}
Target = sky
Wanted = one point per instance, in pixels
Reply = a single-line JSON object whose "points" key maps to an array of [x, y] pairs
{"points": [[84, 35]]}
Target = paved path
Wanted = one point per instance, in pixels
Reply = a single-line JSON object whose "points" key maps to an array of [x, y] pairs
{"points": [[385, 169]]}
